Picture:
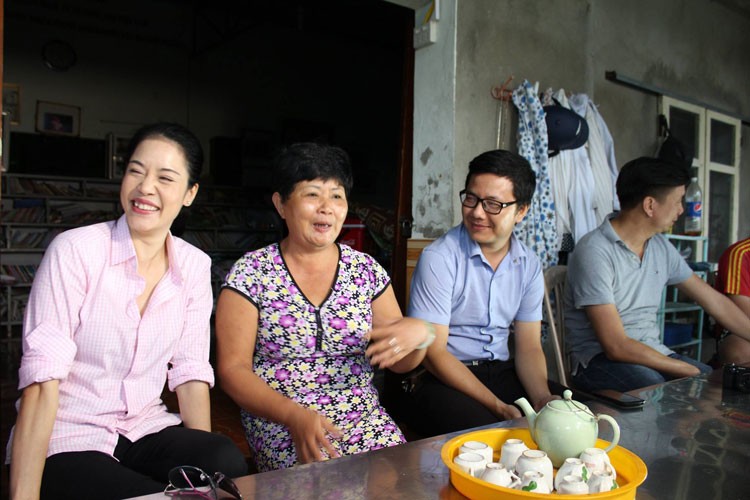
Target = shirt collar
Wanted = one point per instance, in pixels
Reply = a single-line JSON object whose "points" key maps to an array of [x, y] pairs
{"points": [[608, 231], [122, 244], [123, 249], [516, 252]]}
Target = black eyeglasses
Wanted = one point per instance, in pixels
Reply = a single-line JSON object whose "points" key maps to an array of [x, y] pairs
{"points": [[186, 479], [470, 200]]}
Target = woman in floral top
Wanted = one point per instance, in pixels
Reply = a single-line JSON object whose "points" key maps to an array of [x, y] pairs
{"points": [[301, 323]]}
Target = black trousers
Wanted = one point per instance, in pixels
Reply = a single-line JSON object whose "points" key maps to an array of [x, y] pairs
{"points": [[433, 408], [141, 467]]}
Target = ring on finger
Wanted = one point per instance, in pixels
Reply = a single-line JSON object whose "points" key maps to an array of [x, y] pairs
{"points": [[392, 342], [397, 349]]}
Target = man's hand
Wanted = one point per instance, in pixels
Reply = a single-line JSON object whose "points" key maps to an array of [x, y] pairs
{"points": [[541, 403], [506, 412]]}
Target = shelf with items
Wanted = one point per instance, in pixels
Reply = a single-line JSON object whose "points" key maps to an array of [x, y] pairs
{"points": [[225, 222], [681, 322], [35, 209], [231, 220], [228, 221]]}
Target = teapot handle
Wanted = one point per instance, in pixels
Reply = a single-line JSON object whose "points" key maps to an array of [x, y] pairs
{"points": [[615, 428]]}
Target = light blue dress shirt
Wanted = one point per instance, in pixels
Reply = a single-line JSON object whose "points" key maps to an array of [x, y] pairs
{"points": [[455, 285]]}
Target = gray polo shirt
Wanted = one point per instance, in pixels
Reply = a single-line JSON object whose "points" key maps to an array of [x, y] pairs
{"points": [[603, 270]]}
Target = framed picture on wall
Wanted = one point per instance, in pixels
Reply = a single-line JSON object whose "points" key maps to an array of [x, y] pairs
{"points": [[12, 102], [58, 119]]}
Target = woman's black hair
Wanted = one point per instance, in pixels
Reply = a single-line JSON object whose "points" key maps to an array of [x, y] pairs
{"points": [[184, 138], [305, 161]]}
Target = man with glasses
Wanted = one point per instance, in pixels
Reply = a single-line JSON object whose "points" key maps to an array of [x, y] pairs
{"points": [[481, 288]]}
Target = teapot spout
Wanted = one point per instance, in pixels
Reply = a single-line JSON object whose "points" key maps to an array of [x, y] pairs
{"points": [[528, 411]]}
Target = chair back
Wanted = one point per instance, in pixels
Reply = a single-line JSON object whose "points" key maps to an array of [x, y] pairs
{"points": [[554, 291]]}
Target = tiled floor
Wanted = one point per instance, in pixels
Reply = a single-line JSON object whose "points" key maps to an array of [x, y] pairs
{"points": [[225, 418]]}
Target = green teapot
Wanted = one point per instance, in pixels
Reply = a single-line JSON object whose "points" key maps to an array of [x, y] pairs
{"points": [[564, 428]]}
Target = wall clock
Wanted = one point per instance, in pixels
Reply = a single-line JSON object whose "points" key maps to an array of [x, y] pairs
{"points": [[58, 55]]}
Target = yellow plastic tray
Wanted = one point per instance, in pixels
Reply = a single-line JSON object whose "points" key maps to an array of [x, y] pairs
{"points": [[631, 471]]}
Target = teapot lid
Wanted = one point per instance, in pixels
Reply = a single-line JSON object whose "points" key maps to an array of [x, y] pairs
{"points": [[567, 403]]}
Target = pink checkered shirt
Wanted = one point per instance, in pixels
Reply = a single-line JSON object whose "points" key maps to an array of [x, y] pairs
{"points": [[83, 327]]}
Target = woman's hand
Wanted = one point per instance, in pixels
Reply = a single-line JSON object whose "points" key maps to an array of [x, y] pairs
{"points": [[310, 432], [390, 344]]}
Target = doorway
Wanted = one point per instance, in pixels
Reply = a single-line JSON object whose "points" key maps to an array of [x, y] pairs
{"points": [[270, 72]]}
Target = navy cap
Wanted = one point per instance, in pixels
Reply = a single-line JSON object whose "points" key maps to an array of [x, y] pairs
{"points": [[566, 129]]}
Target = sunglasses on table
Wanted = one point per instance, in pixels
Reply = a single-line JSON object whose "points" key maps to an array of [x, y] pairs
{"points": [[186, 480]]}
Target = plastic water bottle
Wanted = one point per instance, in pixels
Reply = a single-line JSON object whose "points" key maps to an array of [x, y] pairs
{"points": [[693, 208]]}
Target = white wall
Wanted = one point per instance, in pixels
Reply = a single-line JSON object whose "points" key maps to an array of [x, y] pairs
{"points": [[691, 47], [434, 182]]}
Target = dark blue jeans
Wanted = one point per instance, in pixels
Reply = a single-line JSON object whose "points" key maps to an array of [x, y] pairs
{"points": [[601, 373]]}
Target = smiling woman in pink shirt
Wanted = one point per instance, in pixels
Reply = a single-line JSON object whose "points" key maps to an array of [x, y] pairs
{"points": [[116, 310]]}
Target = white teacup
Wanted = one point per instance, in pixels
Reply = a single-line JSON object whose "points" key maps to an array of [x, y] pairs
{"points": [[601, 481], [571, 466], [535, 482], [496, 473], [471, 463], [572, 485], [478, 447], [536, 460], [596, 459], [510, 451]]}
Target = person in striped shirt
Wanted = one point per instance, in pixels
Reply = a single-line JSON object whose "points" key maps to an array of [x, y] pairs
{"points": [[733, 280]]}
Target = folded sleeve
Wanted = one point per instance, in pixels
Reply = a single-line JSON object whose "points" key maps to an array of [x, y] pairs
{"points": [[52, 314], [47, 355], [190, 359], [430, 296]]}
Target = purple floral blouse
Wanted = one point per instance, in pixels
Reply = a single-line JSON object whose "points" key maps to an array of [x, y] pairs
{"points": [[314, 355]]}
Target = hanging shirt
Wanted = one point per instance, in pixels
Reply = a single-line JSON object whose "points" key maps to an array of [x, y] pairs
{"points": [[572, 186], [601, 155], [537, 230], [83, 328]]}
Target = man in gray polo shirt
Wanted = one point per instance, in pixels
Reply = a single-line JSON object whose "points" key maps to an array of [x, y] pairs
{"points": [[616, 275]]}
